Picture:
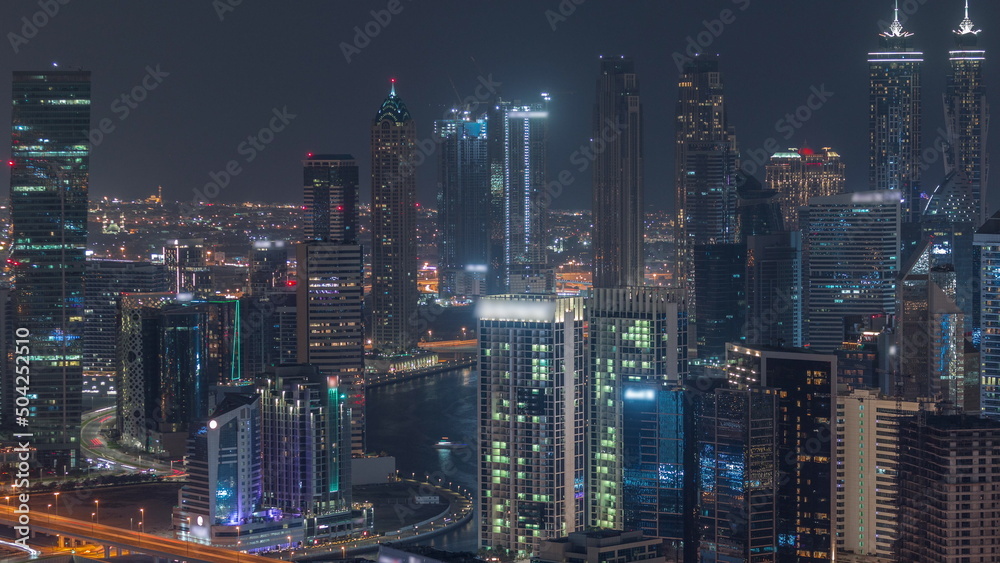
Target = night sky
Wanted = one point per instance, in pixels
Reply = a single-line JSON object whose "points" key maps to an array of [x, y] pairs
{"points": [[226, 77]]}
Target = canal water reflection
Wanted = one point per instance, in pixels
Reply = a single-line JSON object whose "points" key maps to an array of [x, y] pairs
{"points": [[407, 419]]}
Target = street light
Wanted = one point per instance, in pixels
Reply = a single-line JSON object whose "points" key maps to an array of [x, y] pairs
{"points": [[57, 504], [97, 510], [142, 518]]}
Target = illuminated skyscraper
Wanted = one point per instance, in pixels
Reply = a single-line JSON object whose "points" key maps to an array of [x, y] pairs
{"points": [[331, 197], [394, 227], [306, 466], [988, 241], [805, 385], [464, 213], [49, 176], [800, 174], [960, 203], [895, 117], [531, 425], [268, 266], [187, 265], [517, 148], [853, 257], [171, 353], [930, 333], [106, 280], [636, 411], [618, 257], [329, 325], [737, 474], [223, 491], [707, 160], [967, 118], [329, 279]]}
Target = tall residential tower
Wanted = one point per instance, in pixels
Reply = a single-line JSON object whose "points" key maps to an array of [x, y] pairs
{"points": [[531, 424], [967, 116], [895, 118]]}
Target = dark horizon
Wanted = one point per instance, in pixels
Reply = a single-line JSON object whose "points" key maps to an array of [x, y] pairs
{"points": [[212, 78]]}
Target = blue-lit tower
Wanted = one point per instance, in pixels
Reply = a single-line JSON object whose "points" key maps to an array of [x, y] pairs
{"points": [[49, 177]]}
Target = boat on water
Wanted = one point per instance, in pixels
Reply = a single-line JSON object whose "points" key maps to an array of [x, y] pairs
{"points": [[445, 444]]}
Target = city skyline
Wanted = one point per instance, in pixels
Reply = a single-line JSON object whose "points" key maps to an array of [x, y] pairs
{"points": [[662, 30], [794, 364]]}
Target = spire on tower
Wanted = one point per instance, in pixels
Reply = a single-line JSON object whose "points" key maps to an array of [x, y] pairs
{"points": [[967, 27], [392, 90], [896, 27]]}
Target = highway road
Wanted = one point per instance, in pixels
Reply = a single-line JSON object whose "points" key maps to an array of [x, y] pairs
{"points": [[96, 448], [130, 540]]}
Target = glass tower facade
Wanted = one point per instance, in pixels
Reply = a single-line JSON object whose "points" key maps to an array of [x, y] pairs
{"points": [[930, 334], [806, 406], [707, 163], [171, 354], [331, 197], [330, 322], [967, 117], [619, 260], [519, 262], [106, 280], [988, 242], [50, 166], [306, 465], [737, 474], [464, 204]]}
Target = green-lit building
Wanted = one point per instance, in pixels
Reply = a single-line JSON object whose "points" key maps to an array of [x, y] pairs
{"points": [[636, 413], [531, 429]]}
